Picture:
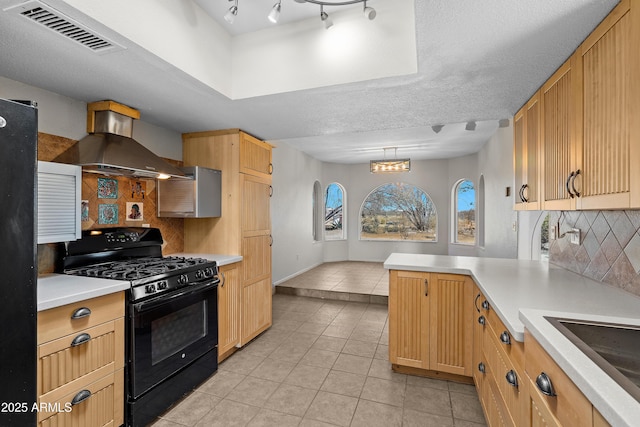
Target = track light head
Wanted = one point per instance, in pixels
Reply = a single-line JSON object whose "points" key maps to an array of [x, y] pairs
{"points": [[328, 23], [274, 15], [470, 125], [231, 14], [437, 128], [369, 12]]}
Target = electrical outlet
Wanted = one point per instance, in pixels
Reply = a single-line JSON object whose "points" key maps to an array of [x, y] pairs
{"points": [[574, 236], [552, 233]]}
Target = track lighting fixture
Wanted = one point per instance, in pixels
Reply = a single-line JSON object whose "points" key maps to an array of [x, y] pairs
{"points": [[437, 128], [503, 123], [274, 14], [470, 125], [231, 14]]}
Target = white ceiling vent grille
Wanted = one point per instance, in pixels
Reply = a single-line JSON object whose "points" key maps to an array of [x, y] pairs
{"points": [[54, 20]]}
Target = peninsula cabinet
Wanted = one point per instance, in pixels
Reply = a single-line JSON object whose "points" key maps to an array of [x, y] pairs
{"points": [[526, 155], [244, 226], [554, 398], [430, 329], [80, 368]]}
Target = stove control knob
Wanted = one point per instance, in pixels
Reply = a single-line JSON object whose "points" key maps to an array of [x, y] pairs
{"points": [[162, 285], [183, 279], [208, 272], [149, 289], [199, 274]]}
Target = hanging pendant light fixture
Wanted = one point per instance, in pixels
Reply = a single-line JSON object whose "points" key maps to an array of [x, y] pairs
{"points": [[390, 165], [274, 14]]}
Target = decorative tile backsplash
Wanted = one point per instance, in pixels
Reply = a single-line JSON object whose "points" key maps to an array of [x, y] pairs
{"points": [[609, 249]]}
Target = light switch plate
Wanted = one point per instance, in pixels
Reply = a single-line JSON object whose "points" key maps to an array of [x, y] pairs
{"points": [[575, 236], [552, 232]]}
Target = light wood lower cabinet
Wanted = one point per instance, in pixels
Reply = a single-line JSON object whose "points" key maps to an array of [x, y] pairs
{"points": [[429, 326], [81, 363], [228, 310]]}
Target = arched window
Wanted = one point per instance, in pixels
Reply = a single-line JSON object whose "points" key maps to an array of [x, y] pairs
{"points": [[464, 209], [316, 203], [334, 212], [398, 211], [480, 220]]}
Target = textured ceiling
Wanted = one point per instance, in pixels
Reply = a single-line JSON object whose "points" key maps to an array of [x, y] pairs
{"points": [[477, 60]]}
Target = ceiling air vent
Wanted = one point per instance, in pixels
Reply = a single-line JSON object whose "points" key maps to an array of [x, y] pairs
{"points": [[54, 20]]}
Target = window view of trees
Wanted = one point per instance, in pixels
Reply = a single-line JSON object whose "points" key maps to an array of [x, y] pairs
{"points": [[465, 219], [398, 212], [333, 212]]}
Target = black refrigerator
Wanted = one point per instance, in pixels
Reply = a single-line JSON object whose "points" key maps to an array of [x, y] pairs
{"points": [[18, 262]]}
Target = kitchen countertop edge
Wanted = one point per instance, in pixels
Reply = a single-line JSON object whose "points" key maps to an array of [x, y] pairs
{"points": [[56, 290], [220, 259]]}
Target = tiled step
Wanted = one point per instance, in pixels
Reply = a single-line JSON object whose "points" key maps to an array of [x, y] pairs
{"points": [[332, 295]]}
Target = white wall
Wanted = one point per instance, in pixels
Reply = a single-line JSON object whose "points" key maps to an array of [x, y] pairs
{"points": [[495, 163], [67, 117], [294, 250]]}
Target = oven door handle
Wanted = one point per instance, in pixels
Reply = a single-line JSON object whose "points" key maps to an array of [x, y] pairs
{"points": [[162, 300]]}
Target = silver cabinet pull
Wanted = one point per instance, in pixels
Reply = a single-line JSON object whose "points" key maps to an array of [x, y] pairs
{"points": [[481, 367], [505, 338], [80, 339], [512, 378], [80, 397], [224, 279], [80, 313], [545, 386], [482, 320], [485, 304], [573, 183]]}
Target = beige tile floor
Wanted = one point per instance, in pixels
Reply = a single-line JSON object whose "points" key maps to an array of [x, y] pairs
{"points": [[324, 363]]}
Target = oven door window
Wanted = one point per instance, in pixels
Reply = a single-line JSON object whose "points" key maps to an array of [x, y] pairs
{"points": [[170, 333]]}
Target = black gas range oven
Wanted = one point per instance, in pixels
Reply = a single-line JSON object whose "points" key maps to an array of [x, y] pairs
{"points": [[172, 318]]}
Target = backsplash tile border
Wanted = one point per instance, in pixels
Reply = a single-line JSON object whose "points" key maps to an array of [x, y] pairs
{"points": [[609, 249]]}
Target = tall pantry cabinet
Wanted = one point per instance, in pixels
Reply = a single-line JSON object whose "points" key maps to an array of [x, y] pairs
{"points": [[244, 227]]}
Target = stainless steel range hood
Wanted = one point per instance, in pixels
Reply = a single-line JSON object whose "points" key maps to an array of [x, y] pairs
{"points": [[110, 150]]}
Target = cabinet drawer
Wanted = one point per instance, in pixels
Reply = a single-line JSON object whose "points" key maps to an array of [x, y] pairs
{"points": [[569, 406], [104, 405], [509, 379], [70, 358], [514, 349], [59, 322]]}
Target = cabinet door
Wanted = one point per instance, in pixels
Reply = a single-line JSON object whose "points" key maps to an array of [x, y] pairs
{"points": [[409, 318], [526, 153], [228, 310], [451, 327], [256, 309], [609, 65], [561, 130], [256, 200], [255, 156]]}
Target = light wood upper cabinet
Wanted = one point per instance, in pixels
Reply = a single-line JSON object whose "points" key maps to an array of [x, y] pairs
{"points": [[429, 324], [561, 104], [611, 97], [255, 156], [589, 140], [526, 155]]}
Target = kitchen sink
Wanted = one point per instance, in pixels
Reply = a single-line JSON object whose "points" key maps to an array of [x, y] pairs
{"points": [[615, 348]]}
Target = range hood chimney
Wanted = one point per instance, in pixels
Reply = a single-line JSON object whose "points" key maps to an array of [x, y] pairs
{"points": [[109, 148]]}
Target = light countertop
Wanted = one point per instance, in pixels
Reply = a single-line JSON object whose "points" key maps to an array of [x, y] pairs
{"points": [[218, 258], [55, 290], [522, 293]]}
